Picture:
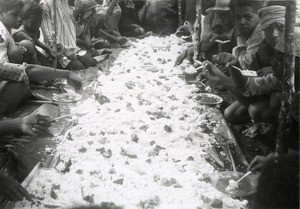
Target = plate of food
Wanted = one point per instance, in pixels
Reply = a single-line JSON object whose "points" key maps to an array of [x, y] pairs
{"points": [[226, 182], [208, 98], [67, 97]]}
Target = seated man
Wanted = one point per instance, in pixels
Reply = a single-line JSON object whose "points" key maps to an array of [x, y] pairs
{"points": [[264, 108], [160, 16], [9, 50], [129, 23], [66, 35], [217, 23], [238, 112], [30, 30]]}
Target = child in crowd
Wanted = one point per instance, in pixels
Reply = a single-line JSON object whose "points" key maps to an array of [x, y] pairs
{"points": [[9, 50], [30, 30], [259, 97], [249, 32]]}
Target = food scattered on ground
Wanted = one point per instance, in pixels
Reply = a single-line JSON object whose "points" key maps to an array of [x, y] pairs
{"points": [[141, 146]]}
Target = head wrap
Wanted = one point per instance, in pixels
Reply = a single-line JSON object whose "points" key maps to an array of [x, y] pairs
{"points": [[296, 50], [271, 14]]}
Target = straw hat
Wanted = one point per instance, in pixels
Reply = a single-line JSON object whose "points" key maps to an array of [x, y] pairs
{"points": [[220, 6]]}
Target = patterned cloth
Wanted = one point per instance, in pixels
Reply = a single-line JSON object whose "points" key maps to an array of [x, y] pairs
{"points": [[66, 32], [245, 51], [13, 72], [260, 86], [6, 41]]}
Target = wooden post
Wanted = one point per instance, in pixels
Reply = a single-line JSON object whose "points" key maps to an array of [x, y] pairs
{"points": [[180, 21], [197, 29], [288, 90], [55, 34]]}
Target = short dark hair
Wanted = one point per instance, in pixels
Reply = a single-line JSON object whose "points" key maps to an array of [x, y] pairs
{"points": [[31, 8], [255, 4], [278, 184], [8, 5]]}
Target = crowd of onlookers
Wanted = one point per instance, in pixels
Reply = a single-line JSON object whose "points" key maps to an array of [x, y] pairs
{"points": [[42, 40]]}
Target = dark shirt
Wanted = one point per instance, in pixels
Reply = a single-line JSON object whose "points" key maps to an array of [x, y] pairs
{"points": [[188, 10], [263, 56], [160, 16]]}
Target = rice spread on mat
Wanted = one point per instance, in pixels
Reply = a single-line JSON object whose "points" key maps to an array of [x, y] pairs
{"points": [[140, 145]]}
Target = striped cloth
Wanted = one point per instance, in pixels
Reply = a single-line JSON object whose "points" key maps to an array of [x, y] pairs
{"points": [[66, 32]]}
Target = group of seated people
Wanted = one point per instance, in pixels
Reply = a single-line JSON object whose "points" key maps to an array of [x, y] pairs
{"points": [[237, 36], [240, 36]]}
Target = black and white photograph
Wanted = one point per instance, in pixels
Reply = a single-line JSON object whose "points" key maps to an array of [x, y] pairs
{"points": [[149, 104]]}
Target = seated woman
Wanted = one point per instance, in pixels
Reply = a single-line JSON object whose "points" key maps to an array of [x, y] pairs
{"points": [[30, 31], [9, 50]]}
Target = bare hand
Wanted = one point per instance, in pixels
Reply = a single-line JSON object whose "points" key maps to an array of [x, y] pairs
{"points": [[181, 57], [121, 40], [187, 26], [70, 54], [12, 190], [35, 124], [50, 53], [225, 59], [213, 73], [265, 71], [258, 162], [75, 81]]}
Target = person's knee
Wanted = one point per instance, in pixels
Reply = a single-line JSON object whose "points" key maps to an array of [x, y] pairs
{"points": [[75, 65], [275, 101], [20, 90], [87, 60], [255, 112], [229, 115], [15, 54]]}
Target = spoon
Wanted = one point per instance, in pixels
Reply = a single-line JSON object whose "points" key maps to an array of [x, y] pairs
{"points": [[244, 176]]}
